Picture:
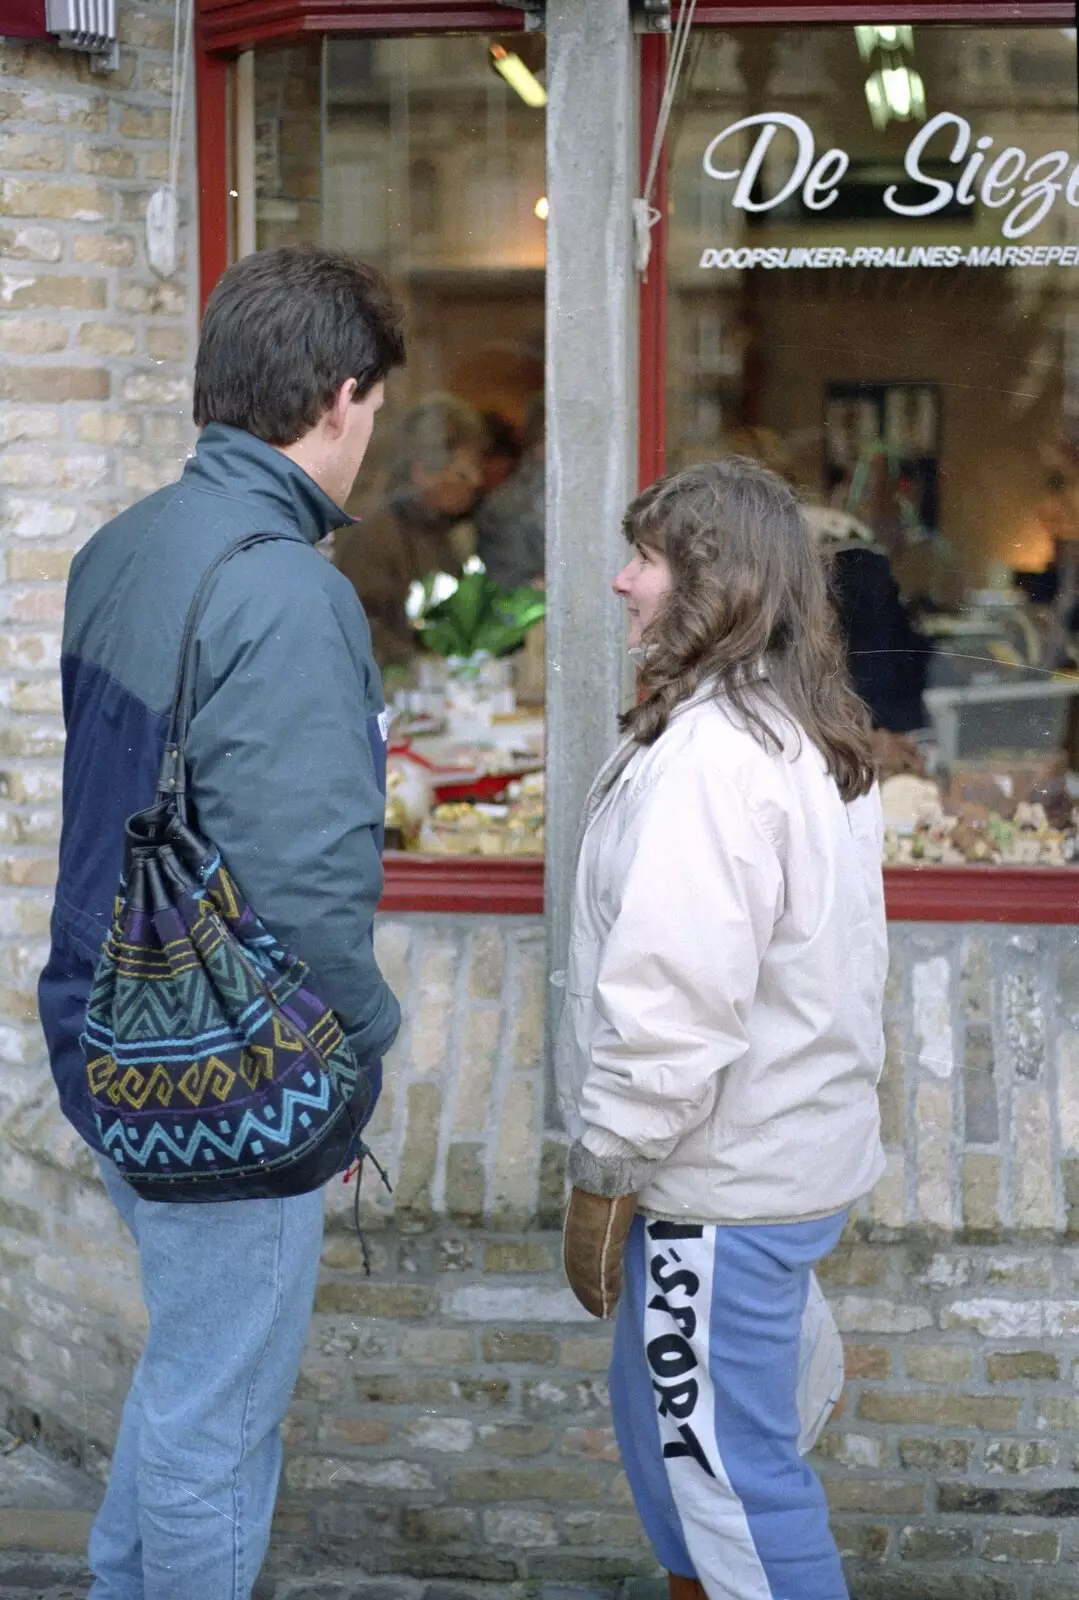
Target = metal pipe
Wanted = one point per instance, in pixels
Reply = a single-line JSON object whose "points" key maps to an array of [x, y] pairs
{"points": [[246, 235]]}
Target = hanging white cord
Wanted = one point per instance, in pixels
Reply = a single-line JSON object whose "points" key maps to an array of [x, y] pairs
{"points": [[645, 215], [162, 212], [180, 63]]}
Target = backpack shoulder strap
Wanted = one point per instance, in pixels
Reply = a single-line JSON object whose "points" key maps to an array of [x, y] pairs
{"points": [[172, 778]]}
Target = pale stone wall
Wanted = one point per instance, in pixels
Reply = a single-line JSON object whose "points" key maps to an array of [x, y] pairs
{"points": [[452, 1415], [461, 1120], [980, 1094]]}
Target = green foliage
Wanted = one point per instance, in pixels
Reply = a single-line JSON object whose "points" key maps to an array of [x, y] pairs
{"points": [[478, 617]]}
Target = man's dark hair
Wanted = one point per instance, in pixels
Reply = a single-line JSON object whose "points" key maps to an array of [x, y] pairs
{"points": [[283, 330]]}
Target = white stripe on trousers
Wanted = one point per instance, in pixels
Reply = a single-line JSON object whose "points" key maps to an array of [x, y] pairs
{"points": [[677, 1339]]}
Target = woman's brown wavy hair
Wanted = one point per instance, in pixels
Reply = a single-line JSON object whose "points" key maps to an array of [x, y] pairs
{"points": [[748, 587]]}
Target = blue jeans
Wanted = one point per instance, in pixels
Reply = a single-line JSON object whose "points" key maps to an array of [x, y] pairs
{"points": [[229, 1290]]}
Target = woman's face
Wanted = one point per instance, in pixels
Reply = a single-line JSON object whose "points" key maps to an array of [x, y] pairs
{"points": [[452, 491], [644, 584]]}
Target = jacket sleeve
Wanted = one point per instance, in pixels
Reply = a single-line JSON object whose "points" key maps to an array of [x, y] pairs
{"points": [[282, 772], [698, 889]]}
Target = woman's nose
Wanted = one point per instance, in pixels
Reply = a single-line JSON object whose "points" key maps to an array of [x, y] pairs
{"points": [[623, 581]]}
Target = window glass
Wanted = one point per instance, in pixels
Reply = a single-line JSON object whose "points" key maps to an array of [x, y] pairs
{"points": [[288, 157], [425, 157], [874, 287]]}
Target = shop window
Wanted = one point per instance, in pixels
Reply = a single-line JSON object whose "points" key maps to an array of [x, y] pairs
{"points": [[873, 285], [288, 175], [422, 156]]}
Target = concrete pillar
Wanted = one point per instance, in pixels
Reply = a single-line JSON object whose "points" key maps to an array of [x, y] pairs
{"points": [[592, 174]]}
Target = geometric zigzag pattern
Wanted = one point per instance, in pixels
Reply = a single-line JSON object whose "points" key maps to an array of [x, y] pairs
{"points": [[210, 1059], [217, 1141]]}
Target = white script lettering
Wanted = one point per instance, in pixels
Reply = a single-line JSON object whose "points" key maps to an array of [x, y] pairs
{"points": [[819, 179]]}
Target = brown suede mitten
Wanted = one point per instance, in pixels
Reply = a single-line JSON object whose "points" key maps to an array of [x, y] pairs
{"points": [[593, 1239]]}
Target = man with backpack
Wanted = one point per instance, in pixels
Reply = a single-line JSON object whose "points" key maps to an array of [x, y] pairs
{"points": [[284, 761]]}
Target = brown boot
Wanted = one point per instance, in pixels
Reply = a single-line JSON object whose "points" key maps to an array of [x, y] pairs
{"points": [[686, 1589]]}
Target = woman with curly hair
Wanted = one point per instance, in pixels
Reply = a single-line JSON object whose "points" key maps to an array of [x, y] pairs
{"points": [[721, 1039]]}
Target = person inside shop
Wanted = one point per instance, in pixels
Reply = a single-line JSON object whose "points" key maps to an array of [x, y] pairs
{"points": [[721, 1037], [422, 525], [503, 451], [887, 657], [1056, 586], [510, 522]]}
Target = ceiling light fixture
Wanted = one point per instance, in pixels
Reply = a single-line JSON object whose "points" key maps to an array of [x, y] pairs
{"points": [[895, 94], [520, 79], [872, 38], [541, 208]]}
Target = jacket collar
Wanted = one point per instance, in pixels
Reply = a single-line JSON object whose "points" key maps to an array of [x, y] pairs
{"points": [[228, 461], [619, 759]]}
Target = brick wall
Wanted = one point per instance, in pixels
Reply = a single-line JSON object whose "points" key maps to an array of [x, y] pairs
{"points": [[95, 363], [452, 1420]]}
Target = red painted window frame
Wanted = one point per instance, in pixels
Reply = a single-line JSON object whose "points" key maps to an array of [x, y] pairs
{"points": [[23, 19], [515, 886], [241, 24], [912, 894]]}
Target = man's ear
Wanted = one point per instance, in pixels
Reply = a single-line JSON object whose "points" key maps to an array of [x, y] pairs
{"points": [[337, 416]]}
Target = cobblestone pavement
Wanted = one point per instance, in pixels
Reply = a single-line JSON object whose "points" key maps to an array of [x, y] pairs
{"points": [[338, 1588], [31, 1576], [45, 1513]]}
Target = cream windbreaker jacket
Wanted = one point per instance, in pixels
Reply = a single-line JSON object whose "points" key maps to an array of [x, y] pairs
{"points": [[721, 1036]]}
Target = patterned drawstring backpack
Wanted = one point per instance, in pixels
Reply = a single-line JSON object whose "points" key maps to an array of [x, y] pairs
{"points": [[216, 1072]]}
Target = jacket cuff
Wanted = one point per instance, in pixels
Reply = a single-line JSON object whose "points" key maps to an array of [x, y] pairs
{"points": [[374, 1040], [618, 1171]]}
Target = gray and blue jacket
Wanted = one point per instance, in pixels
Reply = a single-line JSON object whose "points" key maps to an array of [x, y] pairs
{"points": [[286, 752]]}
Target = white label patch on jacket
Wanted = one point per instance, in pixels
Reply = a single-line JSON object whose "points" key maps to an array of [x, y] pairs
{"points": [[384, 726]]}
